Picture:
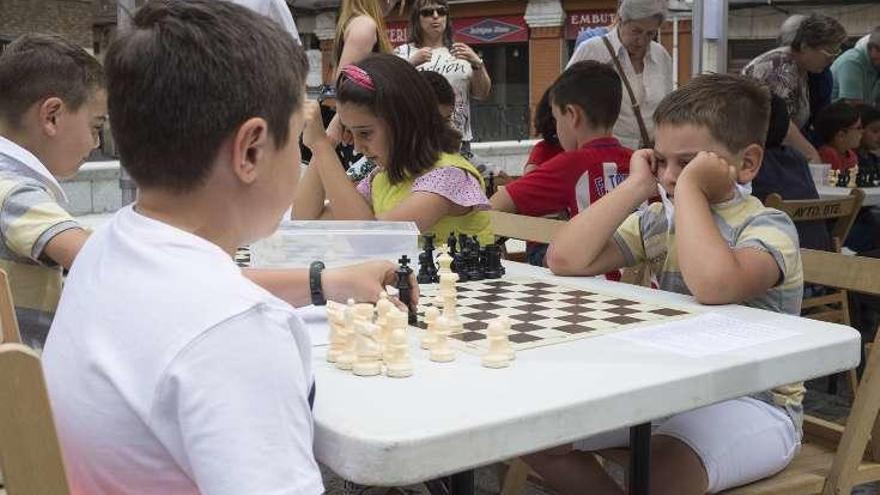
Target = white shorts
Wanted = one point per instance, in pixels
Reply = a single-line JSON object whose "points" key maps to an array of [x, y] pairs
{"points": [[739, 441]]}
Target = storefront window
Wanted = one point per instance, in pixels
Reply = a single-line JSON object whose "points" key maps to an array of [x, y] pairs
{"points": [[505, 114]]}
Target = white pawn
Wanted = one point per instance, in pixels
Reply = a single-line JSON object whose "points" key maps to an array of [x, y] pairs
{"points": [[399, 365], [383, 307], [506, 322], [396, 319], [368, 353], [497, 356], [336, 319], [345, 360], [429, 338], [441, 352]]}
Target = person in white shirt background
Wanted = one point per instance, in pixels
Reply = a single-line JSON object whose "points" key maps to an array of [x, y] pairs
{"points": [[431, 47], [646, 64], [277, 10]]}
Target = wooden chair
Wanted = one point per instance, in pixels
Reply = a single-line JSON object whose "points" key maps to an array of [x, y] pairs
{"points": [[8, 322], [523, 228], [29, 449], [833, 458], [833, 306]]}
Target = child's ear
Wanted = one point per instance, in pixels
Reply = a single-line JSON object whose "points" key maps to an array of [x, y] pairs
{"points": [[752, 158], [249, 149], [49, 112], [575, 114]]}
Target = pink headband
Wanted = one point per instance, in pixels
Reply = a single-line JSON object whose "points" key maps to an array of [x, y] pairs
{"points": [[358, 76]]}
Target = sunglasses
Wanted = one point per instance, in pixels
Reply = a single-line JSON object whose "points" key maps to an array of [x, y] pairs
{"points": [[432, 11]]}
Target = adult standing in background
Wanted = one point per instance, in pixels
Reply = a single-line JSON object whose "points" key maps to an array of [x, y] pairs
{"points": [[646, 66], [431, 48], [786, 70], [857, 71], [277, 10]]}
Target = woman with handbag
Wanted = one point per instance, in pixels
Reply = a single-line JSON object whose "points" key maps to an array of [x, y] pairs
{"points": [[644, 66]]}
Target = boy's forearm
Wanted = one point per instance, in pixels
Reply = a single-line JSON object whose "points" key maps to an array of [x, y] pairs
{"points": [[582, 240], [346, 202], [707, 262], [291, 285]]}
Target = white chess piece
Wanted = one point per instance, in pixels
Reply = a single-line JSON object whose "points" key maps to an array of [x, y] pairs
{"points": [[399, 364], [441, 352], [395, 319], [506, 324], [368, 361], [497, 356], [348, 356], [429, 338], [336, 319], [444, 260], [449, 295], [383, 307]]}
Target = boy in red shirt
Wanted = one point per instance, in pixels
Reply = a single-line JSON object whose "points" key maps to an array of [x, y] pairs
{"points": [[585, 102], [840, 128]]}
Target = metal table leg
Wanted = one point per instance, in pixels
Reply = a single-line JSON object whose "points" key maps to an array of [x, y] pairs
{"points": [[640, 459], [463, 483]]}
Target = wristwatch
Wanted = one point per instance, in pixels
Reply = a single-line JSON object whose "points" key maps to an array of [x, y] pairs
{"points": [[479, 65], [315, 288]]}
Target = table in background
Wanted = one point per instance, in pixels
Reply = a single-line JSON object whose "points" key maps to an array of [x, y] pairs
{"points": [[872, 194]]}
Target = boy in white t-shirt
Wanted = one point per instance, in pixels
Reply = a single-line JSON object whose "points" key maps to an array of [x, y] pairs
{"points": [[170, 371]]}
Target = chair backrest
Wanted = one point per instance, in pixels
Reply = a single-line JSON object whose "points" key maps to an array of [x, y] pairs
{"points": [[522, 227], [29, 449], [9, 332], [857, 274], [842, 210]]}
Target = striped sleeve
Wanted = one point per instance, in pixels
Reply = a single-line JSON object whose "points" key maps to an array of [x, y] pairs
{"points": [[629, 239], [773, 232], [30, 218]]}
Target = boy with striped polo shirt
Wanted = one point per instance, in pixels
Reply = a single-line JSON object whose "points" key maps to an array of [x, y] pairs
{"points": [[52, 108], [711, 238]]}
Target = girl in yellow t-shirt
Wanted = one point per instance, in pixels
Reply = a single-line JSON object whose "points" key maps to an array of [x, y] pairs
{"points": [[392, 115]]}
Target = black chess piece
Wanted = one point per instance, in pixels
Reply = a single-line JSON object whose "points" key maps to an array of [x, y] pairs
{"points": [[475, 268], [843, 178], [490, 185], [426, 263], [494, 269], [461, 261], [451, 244], [428, 242], [404, 288]]}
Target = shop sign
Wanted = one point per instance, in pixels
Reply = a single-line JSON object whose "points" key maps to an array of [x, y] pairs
{"points": [[481, 30], [473, 30], [577, 21]]}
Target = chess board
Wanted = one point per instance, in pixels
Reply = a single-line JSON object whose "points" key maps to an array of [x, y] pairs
{"points": [[542, 313]]}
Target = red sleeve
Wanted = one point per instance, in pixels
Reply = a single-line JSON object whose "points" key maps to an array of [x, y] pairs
{"points": [[547, 190], [543, 151], [830, 156]]}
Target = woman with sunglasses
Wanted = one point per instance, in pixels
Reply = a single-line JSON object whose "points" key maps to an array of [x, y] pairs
{"points": [[431, 48], [815, 44]]}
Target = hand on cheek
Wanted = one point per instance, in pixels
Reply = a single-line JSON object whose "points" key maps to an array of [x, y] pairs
{"points": [[712, 175]]}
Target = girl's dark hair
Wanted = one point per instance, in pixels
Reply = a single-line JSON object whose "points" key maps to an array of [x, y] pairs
{"points": [[544, 122], [442, 89], [407, 105], [779, 121], [416, 36]]}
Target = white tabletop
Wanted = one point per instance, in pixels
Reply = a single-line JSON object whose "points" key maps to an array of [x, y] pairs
{"points": [[872, 194], [451, 417]]}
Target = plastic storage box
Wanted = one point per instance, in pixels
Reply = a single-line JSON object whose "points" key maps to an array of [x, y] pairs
{"points": [[338, 242]]}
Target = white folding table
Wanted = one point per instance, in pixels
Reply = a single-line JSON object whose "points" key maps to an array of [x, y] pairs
{"points": [[450, 418]]}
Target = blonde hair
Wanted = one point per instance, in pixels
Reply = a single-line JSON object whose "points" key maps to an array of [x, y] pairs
{"points": [[354, 8]]}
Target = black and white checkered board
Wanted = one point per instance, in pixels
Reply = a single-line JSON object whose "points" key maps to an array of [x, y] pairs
{"points": [[542, 313]]}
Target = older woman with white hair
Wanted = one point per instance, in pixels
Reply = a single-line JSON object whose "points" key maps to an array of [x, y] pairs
{"points": [[643, 64]]}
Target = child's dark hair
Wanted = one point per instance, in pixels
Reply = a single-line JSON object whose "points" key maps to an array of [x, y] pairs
{"points": [[182, 80], [442, 89], [38, 66], [544, 122], [834, 118], [735, 109], [592, 86], [868, 113], [404, 101]]}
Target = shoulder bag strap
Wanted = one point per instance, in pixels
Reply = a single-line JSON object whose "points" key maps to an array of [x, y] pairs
{"points": [[643, 130]]}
